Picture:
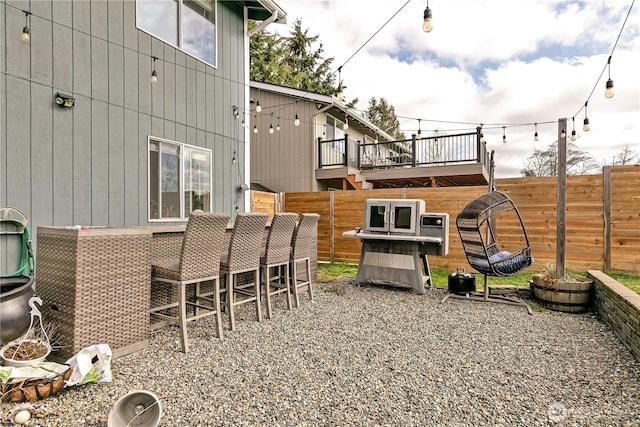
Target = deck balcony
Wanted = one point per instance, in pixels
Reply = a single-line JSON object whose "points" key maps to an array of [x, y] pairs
{"points": [[444, 160]]}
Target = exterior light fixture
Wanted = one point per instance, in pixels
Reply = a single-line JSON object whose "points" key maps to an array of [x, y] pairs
{"points": [[66, 101], [608, 93], [585, 126], [535, 135], [340, 90], [258, 107], [154, 73], [278, 125], [563, 134], [573, 131], [255, 129], [296, 122], [427, 25], [346, 123], [255, 125], [25, 30], [504, 136], [271, 129], [419, 136], [236, 111]]}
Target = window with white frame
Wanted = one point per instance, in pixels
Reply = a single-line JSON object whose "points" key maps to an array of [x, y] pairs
{"points": [[335, 131], [187, 24], [179, 180]]}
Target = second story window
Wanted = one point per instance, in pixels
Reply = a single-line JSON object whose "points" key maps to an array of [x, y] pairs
{"points": [[187, 24]]}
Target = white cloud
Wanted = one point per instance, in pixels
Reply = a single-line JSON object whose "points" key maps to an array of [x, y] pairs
{"points": [[492, 62]]}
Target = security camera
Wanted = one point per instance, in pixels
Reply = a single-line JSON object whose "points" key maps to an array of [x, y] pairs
{"points": [[63, 100]]}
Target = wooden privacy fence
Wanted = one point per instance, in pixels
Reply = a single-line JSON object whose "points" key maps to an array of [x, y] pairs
{"points": [[602, 218]]}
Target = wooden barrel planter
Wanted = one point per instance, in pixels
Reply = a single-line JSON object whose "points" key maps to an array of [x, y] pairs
{"points": [[567, 295]]}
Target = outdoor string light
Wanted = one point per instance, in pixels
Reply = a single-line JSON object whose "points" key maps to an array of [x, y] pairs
{"points": [[573, 132], [585, 126], [25, 30], [154, 73], [419, 130], [427, 25], [296, 121], [608, 93], [504, 136], [535, 135], [340, 90], [255, 125], [346, 123], [258, 106]]}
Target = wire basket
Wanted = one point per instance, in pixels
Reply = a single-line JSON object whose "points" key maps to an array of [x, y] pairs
{"points": [[30, 390]]}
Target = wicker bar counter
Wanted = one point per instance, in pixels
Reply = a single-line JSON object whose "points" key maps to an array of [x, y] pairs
{"points": [[95, 286]]}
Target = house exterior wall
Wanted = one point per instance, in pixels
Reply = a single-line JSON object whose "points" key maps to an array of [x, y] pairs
{"points": [[286, 160], [88, 164]]}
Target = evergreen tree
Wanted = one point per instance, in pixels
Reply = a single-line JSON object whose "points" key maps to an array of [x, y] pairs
{"points": [[383, 115], [291, 61]]}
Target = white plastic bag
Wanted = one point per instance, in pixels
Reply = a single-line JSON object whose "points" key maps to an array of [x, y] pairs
{"points": [[90, 365]]}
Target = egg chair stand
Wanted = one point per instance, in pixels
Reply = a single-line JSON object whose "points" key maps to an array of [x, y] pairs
{"points": [[476, 225]]}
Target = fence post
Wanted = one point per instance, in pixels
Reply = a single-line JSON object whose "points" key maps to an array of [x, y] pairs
{"points": [[606, 187], [319, 152], [561, 226], [331, 236]]}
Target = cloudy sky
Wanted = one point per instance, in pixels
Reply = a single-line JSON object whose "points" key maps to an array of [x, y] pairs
{"points": [[499, 63]]}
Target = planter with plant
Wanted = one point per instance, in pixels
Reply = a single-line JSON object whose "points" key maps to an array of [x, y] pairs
{"points": [[31, 348], [570, 293]]}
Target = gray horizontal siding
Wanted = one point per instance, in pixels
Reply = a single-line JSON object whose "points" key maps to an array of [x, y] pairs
{"points": [[88, 165]]}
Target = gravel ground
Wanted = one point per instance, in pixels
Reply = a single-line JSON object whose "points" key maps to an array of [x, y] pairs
{"points": [[376, 356]]}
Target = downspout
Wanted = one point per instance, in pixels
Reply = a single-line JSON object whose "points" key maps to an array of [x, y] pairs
{"points": [[262, 25]]}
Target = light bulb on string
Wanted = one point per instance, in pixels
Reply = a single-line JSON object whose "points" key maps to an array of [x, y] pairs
{"points": [[535, 135], [26, 33], [419, 136], [427, 25], [585, 126], [258, 107], [504, 136], [296, 121], [608, 93], [154, 73], [573, 131]]}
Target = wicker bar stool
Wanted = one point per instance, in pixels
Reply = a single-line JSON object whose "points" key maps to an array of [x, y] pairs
{"points": [[199, 262], [276, 255], [244, 257], [302, 246]]}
